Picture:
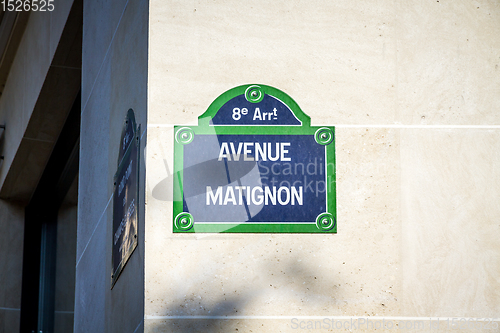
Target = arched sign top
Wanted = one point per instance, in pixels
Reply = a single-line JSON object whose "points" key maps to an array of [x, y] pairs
{"points": [[254, 105]]}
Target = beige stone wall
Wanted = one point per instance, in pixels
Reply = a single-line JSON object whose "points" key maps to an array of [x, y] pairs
{"points": [[413, 88]]}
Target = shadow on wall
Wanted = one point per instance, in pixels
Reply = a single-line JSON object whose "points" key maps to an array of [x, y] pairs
{"points": [[223, 307], [291, 276], [164, 189]]}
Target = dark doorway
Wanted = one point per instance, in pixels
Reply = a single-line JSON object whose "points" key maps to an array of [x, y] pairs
{"points": [[44, 231]]}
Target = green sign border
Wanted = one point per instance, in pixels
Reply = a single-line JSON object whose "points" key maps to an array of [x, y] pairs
{"points": [[183, 222]]}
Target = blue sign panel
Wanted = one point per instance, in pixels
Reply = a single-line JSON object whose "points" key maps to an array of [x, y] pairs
{"points": [[270, 111], [255, 178]]}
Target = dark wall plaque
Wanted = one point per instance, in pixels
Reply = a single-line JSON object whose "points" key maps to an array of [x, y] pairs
{"points": [[125, 197]]}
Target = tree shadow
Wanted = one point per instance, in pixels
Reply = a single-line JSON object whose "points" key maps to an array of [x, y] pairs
{"points": [[197, 315], [212, 319]]}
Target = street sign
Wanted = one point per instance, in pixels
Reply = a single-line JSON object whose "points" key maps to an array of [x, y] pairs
{"points": [[254, 164], [125, 198]]}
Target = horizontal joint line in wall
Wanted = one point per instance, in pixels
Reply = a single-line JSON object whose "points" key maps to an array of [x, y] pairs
{"points": [[150, 317], [395, 126], [399, 126]]}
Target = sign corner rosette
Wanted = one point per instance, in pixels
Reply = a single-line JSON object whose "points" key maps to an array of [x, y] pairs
{"points": [[254, 164]]}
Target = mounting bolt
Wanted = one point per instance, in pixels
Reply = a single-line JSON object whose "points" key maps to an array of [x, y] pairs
{"points": [[325, 221], [184, 221], [324, 136]]}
